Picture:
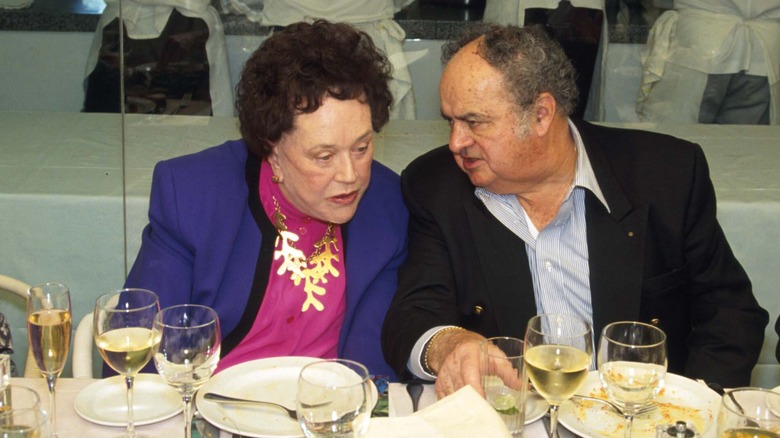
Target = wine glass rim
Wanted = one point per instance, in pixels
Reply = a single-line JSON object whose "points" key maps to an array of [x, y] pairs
{"points": [[159, 316], [635, 323], [363, 372], [490, 341], [586, 328], [40, 287], [104, 300]]}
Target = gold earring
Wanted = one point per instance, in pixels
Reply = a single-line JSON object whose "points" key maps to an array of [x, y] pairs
{"points": [[275, 179]]}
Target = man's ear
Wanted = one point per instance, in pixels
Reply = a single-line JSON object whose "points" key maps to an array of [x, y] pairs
{"points": [[543, 113]]}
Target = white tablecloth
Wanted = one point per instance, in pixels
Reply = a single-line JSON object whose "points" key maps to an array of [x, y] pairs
{"points": [[61, 196], [71, 425]]}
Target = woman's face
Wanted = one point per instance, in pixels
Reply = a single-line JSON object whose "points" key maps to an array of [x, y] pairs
{"points": [[325, 162]]}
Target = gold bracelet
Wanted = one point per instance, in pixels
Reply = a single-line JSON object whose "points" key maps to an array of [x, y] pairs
{"points": [[427, 367]]}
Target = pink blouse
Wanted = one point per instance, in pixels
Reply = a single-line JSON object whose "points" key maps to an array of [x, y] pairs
{"points": [[302, 319]]}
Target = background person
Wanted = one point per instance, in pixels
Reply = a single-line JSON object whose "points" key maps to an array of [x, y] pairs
{"points": [[527, 211]]}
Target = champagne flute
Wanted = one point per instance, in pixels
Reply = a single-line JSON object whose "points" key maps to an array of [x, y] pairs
{"points": [[632, 365], [188, 352], [123, 329], [49, 323], [558, 351]]}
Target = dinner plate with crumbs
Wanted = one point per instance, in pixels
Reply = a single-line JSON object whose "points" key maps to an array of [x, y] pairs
{"points": [[273, 379], [680, 399], [105, 401]]}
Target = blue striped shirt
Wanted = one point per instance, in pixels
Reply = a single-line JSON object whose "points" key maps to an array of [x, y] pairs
{"points": [[558, 254]]}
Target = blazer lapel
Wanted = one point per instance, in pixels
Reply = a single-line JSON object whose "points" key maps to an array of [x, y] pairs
{"points": [[502, 257], [616, 242]]}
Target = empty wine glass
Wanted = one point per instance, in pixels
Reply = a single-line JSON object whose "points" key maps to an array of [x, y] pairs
{"points": [[332, 399], [188, 352], [49, 323], [123, 324], [558, 351], [632, 365]]}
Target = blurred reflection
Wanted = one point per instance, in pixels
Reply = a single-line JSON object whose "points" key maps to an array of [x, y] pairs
{"points": [[713, 62], [163, 75]]}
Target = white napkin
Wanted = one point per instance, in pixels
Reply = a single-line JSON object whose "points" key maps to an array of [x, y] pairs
{"points": [[462, 414]]}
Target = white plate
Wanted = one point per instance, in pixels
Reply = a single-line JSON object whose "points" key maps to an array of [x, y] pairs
{"points": [[105, 402], [680, 399], [535, 408], [272, 379]]}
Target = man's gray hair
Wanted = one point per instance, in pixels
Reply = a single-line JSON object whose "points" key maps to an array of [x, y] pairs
{"points": [[530, 61]]}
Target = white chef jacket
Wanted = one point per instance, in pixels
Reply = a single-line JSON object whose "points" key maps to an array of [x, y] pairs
{"points": [[700, 38], [374, 17], [513, 12], [146, 19]]}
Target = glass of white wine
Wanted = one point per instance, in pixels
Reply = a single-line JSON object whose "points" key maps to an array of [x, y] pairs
{"points": [[49, 324], [123, 324], [188, 351], [23, 423], [749, 413], [558, 352], [632, 365]]}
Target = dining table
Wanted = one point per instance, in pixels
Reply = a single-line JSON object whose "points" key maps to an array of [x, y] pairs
{"points": [[71, 425]]}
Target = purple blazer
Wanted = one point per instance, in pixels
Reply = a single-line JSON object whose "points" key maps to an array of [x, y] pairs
{"points": [[204, 244]]}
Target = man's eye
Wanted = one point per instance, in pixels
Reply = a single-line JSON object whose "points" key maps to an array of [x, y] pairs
{"points": [[325, 158]]}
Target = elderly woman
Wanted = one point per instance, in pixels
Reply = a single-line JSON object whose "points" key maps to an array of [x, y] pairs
{"points": [[292, 233]]}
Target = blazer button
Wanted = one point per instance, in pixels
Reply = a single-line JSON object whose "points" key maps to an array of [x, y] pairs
{"points": [[655, 321], [478, 310]]}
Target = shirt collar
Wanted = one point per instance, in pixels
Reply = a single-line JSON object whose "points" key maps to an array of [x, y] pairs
{"points": [[583, 174]]}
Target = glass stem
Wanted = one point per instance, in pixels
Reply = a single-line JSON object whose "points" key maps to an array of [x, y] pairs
{"points": [[553, 421], [187, 415], [51, 379], [130, 424], [629, 420]]}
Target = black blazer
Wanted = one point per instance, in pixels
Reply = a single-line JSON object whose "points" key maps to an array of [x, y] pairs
{"points": [[658, 256]]}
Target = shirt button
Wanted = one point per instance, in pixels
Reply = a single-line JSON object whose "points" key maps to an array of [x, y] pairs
{"points": [[302, 231], [548, 265]]}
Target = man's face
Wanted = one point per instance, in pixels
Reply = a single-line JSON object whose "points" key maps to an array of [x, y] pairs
{"points": [[491, 142]]}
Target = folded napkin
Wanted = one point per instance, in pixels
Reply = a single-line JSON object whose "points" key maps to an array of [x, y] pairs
{"points": [[462, 414]]}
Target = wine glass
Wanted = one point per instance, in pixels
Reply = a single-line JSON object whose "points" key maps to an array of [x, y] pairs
{"points": [[332, 399], [188, 352], [23, 423], [49, 323], [632, 365], [123, 323], [749, 413], [558, 352]]}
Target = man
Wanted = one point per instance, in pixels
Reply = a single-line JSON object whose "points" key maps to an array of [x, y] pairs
{"points": [[528, 212]]}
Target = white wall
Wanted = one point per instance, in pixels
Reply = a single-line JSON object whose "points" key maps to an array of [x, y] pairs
{"points": [[44, 71]]}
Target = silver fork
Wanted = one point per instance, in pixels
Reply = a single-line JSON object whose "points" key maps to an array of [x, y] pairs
{"points": [[185, 102], [644, 409], [219, 398]]}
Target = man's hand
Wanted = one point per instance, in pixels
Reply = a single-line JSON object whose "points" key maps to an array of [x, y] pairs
{"points": [[454, 357]]}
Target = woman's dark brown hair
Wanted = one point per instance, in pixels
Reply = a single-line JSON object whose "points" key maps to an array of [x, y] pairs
{"points": [[295, 68]]}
